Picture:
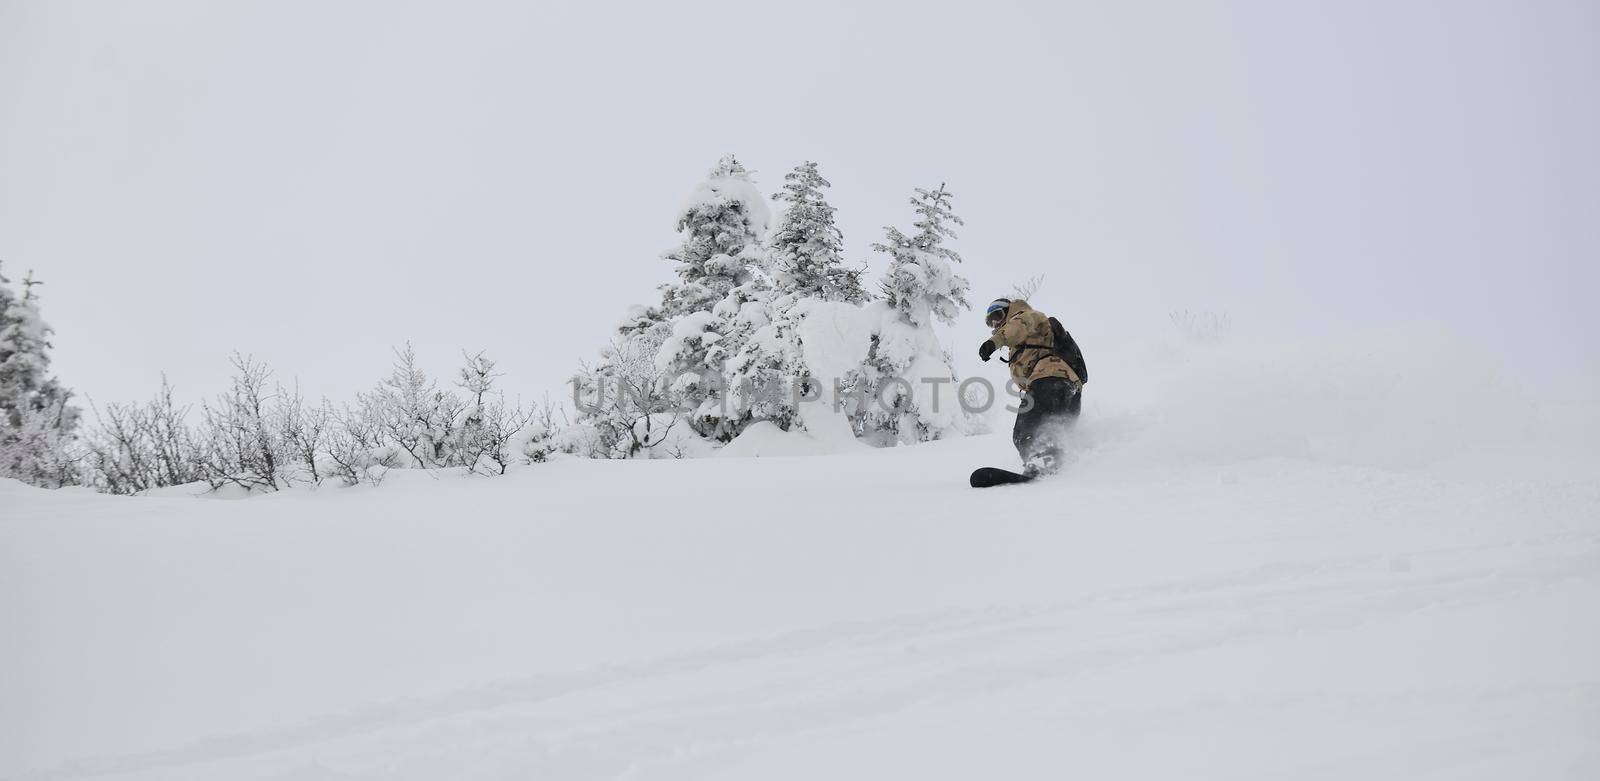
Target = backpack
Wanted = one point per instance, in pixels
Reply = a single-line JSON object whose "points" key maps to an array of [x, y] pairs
{"points": [[1067, 350]]}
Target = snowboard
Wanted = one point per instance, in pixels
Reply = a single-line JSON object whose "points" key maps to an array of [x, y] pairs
{"points": [[989, 476]]}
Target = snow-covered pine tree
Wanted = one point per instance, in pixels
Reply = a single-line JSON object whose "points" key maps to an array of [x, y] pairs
{"points": [[900, 379], [920, 283], [742, 317], [723, 222], [883, 404], [763, 375], [37, 422], [670, 356], [769, 371], [721, 298], [805, 244]]}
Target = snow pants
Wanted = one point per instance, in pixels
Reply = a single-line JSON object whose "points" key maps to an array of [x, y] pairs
{"points": [[1049, 408]]}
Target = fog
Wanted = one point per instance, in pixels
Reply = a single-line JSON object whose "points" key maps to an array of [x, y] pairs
{"points": [[314, 183]]}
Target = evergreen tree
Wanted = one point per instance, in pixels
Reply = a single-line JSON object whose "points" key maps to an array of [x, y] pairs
{"points": [[763, 375], [24, 346], [723, 223], [723, 348], [892, 405], [805, 245], [920, 283], [721, 298], [37, 422]]}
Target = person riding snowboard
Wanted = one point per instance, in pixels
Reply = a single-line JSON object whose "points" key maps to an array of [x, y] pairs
{"points": [[1048, 368]]}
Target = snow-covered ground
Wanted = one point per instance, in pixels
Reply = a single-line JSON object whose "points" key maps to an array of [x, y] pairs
{"points": [[1352, 558]]}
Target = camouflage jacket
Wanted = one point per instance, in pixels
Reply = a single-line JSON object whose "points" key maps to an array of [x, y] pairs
{"points": [[1025, 325]]}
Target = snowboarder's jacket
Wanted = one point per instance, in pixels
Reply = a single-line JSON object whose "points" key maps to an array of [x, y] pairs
{"points": [[1027, 332]]}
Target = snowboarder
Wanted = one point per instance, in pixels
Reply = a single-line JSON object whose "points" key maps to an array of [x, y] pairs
{"points": [[1048, 369]]}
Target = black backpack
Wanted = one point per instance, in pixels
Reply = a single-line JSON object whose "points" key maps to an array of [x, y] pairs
{"points": [[1067, 349]]}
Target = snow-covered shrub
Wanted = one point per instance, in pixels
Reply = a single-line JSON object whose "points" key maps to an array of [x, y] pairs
{"points": [[136, 447], [240, 440], [412, 415], [468, 434], [269, 441], [488, 448], [540, 438], [304, 433], [355, 448], [484, 430], [264, 440], [626, 405], [579, 439]]}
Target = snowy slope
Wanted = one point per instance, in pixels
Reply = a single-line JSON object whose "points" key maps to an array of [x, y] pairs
{"points": [[1362, 558]]}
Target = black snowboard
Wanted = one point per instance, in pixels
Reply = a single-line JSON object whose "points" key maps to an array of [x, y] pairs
{"points": [[989, 476]]}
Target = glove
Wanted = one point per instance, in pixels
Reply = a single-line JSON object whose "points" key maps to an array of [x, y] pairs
{"points": [[986, 349]]}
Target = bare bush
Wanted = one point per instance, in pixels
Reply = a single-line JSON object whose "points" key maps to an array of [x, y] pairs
{"points": [[303, 432], [136, 447], [355, 453], [239, 443], [266, 440], [489, 448], [1028, 288], [1201, 326], [628, 401], [545, 421], [487, 427]]}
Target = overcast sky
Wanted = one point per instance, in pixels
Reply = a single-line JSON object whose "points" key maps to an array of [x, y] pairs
{"points": [[314, 182]]}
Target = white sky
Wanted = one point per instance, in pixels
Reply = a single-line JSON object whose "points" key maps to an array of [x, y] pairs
{"points": [[314, 182]]}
